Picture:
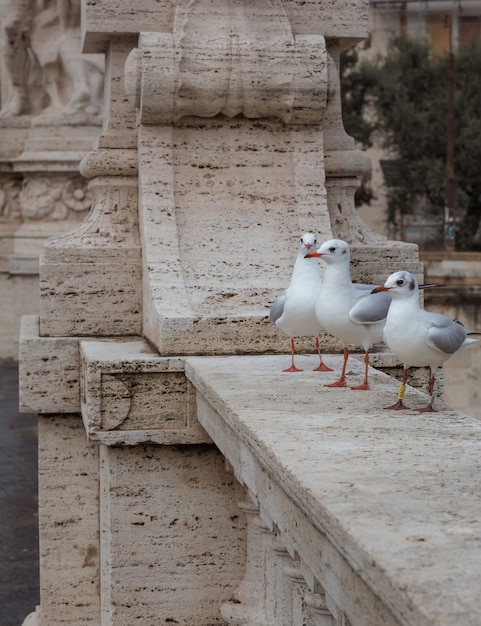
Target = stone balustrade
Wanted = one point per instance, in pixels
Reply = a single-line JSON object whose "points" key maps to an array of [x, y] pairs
{"points": [[340, 513]]}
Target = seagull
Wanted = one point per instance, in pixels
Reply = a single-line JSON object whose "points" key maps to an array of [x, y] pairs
{"points": [[347, 310], [293, 311], [417, 337]]}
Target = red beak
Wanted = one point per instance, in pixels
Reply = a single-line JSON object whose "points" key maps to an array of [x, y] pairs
{"points": [[380, 289], [313, 253]]}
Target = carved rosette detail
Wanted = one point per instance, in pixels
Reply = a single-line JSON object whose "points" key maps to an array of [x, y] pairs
{"points": [[53, 199]]}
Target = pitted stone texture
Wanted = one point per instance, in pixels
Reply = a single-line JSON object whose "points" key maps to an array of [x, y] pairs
{"points": [[131, 395], [222, 206], [391, 496], [260, 71], [314, 16], [43, 362], [69, 523], [172, 536], [90, 279]]}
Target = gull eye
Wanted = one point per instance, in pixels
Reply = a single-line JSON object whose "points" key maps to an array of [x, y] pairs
{"points": [[400, 282], [332, 249]]}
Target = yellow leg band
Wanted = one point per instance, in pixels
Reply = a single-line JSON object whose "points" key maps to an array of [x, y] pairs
{"points": [[401, 392]]}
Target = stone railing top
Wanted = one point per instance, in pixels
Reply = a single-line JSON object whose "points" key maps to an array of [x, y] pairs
{"points": [[397, 493]]}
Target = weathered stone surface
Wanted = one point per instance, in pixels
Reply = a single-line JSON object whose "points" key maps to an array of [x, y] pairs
{"points": [[159, 537], [215, 196], [381, 506], [172, 76], [102, 18], [90, 280], [43, 362], [69, 523], [131, 395], [172, 537]]}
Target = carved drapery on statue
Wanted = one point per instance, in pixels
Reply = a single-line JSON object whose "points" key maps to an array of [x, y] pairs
{"points": [[45, 73]]}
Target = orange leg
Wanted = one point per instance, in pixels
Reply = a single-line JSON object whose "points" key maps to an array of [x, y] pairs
{"points": [[365, 384], [400, 396], [342, 379], [322, 367], [292, 368], [429, 408]]}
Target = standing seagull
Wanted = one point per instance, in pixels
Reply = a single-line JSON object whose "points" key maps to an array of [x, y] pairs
{"points": [[346, 310], [418, 338], [293, 311]]}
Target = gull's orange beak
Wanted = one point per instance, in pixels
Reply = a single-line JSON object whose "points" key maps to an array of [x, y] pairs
{"points": [[380, 289], [311, 254]]}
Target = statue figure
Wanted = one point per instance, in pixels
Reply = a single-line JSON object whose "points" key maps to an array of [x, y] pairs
{"points": [[85, 71], [56, 82], [26, 92]]}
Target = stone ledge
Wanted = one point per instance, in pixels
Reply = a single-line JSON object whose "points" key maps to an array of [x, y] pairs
{"points": [[396, 495], [131, 395], [43, 362]]}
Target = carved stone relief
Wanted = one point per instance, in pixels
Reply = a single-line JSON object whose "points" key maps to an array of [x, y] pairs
{"points": [[9, 201], [53, 198]]}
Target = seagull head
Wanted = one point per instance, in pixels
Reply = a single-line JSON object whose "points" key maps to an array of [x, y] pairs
{"points": [[307, 242], [399, 285], [332, 251]]}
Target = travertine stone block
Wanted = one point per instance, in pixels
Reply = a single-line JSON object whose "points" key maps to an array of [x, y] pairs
{"points": [[172, 537], [69, 523], [172, 76], [90, 279], [131, 395], [49, 371], [203, 292], [120, 125]]}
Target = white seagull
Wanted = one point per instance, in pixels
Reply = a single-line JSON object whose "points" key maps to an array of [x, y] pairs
{"points": [[417, 337], [293, 311], [346, 310]]}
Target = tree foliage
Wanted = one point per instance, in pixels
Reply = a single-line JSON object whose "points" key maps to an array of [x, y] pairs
{"points": [[401, 98]]}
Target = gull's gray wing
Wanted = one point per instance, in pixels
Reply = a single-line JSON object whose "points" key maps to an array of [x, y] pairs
{"points": [[277, 307], [371, 308], [445, 335], [362, 290]]}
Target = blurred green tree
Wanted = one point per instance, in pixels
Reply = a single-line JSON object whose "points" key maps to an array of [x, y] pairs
{"points": [[401, 99]]}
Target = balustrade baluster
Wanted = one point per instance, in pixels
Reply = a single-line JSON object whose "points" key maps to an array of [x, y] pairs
{"points": [[247, 608]]}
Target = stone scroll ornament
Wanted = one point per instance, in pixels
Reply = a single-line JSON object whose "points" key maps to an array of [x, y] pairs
{"points": [[243, 59]]}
